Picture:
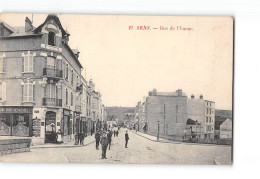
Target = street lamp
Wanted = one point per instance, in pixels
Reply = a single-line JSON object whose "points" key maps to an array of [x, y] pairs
{"points": [[158, 129]]}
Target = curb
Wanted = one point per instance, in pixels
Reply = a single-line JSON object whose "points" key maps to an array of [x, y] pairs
{"points": [[61, 146], [172, 142]]}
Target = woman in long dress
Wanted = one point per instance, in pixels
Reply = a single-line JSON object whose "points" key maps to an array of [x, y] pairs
{"points": [[59, 137]]}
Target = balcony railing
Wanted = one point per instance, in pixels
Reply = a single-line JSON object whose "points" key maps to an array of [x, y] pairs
{"points": [[52, 73], [51, 102], [78, 108]]}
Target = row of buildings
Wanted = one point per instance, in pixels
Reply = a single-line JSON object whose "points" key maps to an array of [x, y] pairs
{"points": [[42, 89], [175, 116]]}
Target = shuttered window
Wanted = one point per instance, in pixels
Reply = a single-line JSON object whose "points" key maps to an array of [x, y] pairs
{"points": [[28, 63], [28, 92], [1, 64], [3, 91]]}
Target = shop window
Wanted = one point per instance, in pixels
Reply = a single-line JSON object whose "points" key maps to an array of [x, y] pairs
{"points": [[3, 91], [51, 38], [28, 63], [28, 92]]}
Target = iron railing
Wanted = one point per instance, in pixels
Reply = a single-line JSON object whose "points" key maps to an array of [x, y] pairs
{"points": [[52, 72], [51, 102]]}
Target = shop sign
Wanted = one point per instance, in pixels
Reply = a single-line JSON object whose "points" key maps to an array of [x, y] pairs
{"points": [[36, 127], [15, 110]]}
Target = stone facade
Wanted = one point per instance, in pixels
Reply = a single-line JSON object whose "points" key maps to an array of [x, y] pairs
{"points": [[203, 112], [41, 75]]}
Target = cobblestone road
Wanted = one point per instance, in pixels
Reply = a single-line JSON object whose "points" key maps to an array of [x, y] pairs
{"points": [[141, 150]]}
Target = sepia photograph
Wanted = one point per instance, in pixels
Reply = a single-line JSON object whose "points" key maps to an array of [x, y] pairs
{"points": [[116, 89]]}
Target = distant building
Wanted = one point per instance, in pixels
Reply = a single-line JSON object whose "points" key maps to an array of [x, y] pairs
{"points": [[164, 113], [202, 111], [226, 129], [129, 120]]}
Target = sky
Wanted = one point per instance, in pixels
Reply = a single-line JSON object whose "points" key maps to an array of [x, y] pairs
{"points": [[126, 64]]}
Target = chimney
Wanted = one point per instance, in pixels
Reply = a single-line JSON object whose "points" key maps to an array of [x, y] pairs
{"points": [[201, 96], [150, 93], [92, 85], [154, 92], [192, 96], [28, 24], [179, 92]]}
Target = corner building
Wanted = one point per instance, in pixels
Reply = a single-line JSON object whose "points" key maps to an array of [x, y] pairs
{"points": [[40, 81]]}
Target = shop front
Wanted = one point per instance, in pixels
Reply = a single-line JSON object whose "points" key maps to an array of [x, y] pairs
{"points": [[66, 125], [16, 121], [50, 127]]}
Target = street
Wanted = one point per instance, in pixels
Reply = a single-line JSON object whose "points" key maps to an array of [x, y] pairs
{"points": [[140, 151]]}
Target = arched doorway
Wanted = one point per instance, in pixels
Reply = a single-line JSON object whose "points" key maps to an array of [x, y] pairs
{"points": [[50, 127]]}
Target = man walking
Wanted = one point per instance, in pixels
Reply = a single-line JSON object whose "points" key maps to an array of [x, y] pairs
{"points": [[97, 137], [109, 137], [114, 132], [104, 143], [126, 139]]}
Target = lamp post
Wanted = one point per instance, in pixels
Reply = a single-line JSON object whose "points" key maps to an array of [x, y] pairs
{"points": [[158, 122]]}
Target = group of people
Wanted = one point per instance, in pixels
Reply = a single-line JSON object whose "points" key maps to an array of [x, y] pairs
{"points": [[105, 139]]}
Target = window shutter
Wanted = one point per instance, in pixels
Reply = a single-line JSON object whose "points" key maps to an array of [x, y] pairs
{"points": [[33, 92], [1, 64], [22, 92], [23, 61], [3, 91]]}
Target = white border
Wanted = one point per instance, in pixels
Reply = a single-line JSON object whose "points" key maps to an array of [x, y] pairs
{"points": [[247, 88]]}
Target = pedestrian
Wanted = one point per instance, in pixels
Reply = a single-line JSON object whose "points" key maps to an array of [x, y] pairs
{"points": [[117, 133], [104, 144], [114, 133], [82, 137], [59, 137], [109, 137], [91, 132], [126, 139], [97, 137]]}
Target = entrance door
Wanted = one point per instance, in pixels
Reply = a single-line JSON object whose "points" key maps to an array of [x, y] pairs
{"points": [[50, 127]]}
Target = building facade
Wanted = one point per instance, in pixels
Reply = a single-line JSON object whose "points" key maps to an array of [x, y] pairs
{"points": [[202, 111], [226, 129], [41, 87]]}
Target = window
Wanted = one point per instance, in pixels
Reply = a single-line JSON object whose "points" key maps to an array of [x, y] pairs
{"points": [[71, 76], [66, 97], [67, 71], [206, 119], [28, 63], [50, 62], [1, 64], [71, 101], [3, 91], [28, 92], [1, 31], [51, 38]]}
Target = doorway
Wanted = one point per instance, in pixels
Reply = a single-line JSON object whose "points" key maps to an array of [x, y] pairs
{"points": [[50, 127]]}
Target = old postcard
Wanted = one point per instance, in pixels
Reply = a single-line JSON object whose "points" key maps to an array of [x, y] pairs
{"points": [[116, 89]]}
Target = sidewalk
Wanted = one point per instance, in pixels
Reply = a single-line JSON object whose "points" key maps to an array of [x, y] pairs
{"points": [[162, 140], [88, 140], [154, 138]]}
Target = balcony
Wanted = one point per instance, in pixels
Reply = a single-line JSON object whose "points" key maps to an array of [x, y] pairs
{"points": [[51, 102], [78, 108], [79, 88], [52, 73]]}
